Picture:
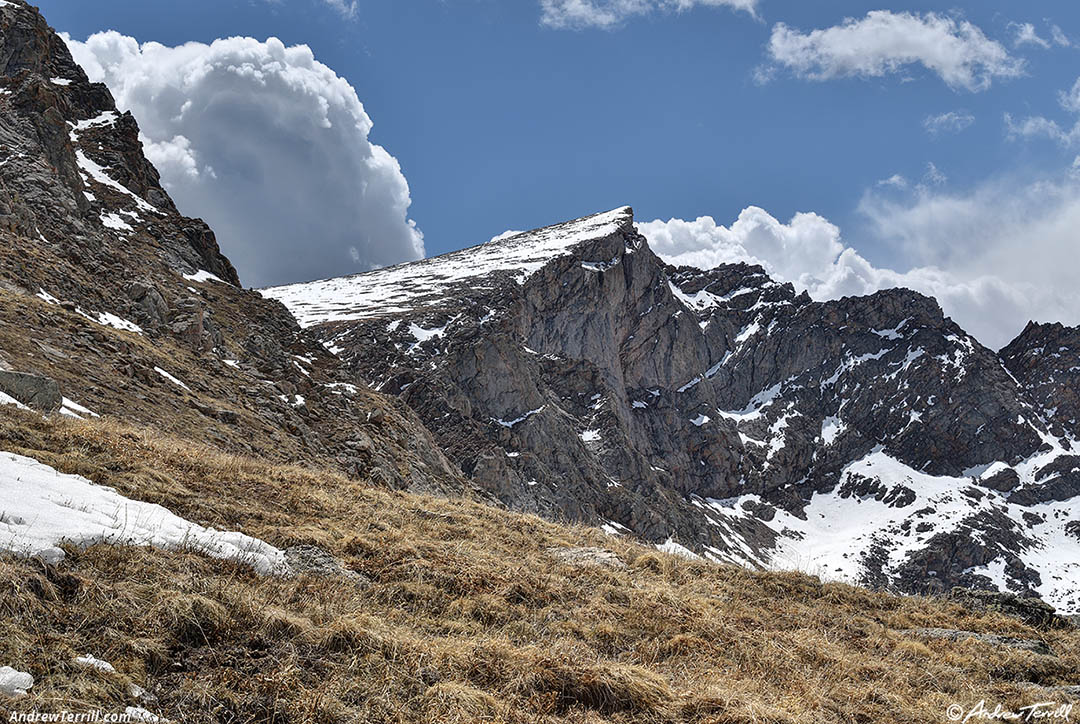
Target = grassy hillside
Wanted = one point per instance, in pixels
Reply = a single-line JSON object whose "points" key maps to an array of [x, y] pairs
{"points": [[471, 615]]}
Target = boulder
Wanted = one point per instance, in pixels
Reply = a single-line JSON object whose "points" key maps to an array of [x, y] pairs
{"points": [[587, 556], [1035, 646], [1032, 611], [312, 560], [34, 391]]}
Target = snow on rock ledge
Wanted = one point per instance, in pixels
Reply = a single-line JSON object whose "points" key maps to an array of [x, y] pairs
{"points": [[408, 286], [42, 508]]}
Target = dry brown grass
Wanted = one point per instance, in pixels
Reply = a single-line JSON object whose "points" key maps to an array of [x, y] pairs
{"points": [[468, 618]]}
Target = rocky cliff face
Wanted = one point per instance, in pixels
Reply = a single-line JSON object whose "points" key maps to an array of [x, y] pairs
{"points": [[108, 290], [571, 372]]}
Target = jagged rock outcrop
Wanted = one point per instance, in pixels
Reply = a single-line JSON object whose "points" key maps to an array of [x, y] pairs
{"points": [[573, 373], [1045, 360]]}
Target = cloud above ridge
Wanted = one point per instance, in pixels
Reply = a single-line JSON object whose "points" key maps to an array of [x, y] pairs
{"points": [[884, 43], [268, 145], [994, 257]]}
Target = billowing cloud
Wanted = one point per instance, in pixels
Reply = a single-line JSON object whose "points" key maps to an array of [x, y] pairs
{"points": [[579, 14], [885, 42], [994, 257], [268, 145], [949, 122]]}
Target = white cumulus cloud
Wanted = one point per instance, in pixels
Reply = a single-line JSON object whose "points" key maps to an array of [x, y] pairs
{"points": [[578, 14], [994, 257], [885, 42], [268, 145]]}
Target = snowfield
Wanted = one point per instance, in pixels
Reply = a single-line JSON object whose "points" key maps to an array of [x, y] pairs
{"points": [[405, 287], [839, 529], [40, 508]]}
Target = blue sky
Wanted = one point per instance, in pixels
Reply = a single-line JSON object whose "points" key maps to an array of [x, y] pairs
{"points": [[501, 121]]}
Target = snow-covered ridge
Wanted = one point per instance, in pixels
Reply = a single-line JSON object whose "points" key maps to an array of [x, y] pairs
{"points": [[405, 287], [41, 508]]}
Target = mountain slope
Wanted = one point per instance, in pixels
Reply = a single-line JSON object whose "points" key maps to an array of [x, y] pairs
{"points": [[572, 373], [465, 613], [131, 307]]}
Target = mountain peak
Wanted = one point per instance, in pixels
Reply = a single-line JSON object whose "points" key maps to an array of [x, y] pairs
{"points": [[415, 285]]}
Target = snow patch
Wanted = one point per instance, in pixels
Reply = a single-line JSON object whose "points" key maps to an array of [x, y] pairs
{"points": [[43, 508], [670, 546], [6, 399], [204, 276], [91, 662], [74, 409], [114, 222], [758, 403], [172, 379], [831, 427], [14, 684], [96, 172], [516, 420]]}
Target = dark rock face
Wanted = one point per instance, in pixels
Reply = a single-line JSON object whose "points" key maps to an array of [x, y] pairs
{"points": [[572, 373], [1045, 360], [34, 391]]}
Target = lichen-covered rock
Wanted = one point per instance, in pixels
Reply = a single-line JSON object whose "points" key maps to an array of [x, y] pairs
{"points": [[34, 391], [312, 560], [1032, 611], [1033, 645], [589, 556]]}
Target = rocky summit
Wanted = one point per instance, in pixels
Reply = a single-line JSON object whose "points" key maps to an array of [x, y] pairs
{"points": [[572, 373]]}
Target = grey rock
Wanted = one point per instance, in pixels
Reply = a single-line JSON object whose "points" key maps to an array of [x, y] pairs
{"points": [[315, 561], [587, 556], [1033, 645], [34, 391], [152, 310], [1032, 611]]}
